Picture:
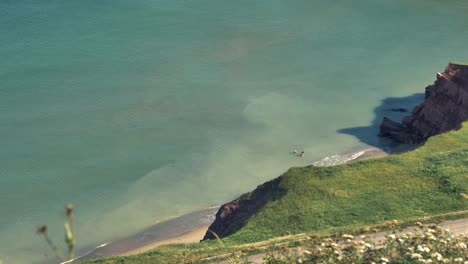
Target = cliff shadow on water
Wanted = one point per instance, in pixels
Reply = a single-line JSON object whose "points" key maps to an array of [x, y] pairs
{"points": [[395, 108]]}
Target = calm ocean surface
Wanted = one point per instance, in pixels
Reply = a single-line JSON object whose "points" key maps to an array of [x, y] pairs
{"points": [[136, 111]]}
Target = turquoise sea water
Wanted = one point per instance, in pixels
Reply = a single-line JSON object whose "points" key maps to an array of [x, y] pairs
{"points": [[136, 111]]}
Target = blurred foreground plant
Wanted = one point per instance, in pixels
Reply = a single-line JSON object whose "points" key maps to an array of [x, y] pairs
{"points": [[70, 238]]}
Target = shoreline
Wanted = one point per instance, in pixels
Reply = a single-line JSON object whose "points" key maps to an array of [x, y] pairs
{"points": [[184, 229], [190, 228], [188, 238]]}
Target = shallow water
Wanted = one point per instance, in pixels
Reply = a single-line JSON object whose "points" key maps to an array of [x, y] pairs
{"points": [[136, 111]]}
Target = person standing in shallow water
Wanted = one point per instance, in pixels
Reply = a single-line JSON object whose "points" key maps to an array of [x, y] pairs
{"points": [[295, 151], [302, 154]]}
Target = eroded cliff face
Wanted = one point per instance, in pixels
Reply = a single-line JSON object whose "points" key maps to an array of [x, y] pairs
{"points": [[445, 108], [233, 216]]}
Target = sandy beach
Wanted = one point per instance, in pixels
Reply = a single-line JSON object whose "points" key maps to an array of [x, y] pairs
{"points": [[191, 237]]}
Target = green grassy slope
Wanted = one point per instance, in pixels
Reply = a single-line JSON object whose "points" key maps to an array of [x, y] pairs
{"points": [[428, 181]]}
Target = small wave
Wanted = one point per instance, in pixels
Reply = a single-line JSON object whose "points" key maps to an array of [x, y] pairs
{"points": [[338, 159], [103, 245], [86, 254]]}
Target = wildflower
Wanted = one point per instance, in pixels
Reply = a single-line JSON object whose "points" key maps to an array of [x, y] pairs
{"points": [[69, 210], [348, 236], [307, 252], [461, 245], [392, 236], [384, 259], [416, 255], [437, 256], [42, 230], [458, 260], [420, 248]]}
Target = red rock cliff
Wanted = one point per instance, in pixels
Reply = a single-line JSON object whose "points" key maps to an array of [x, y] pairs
{"points": [[444, 109]]}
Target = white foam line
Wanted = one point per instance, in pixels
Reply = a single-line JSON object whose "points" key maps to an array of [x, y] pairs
{"points": [[87, 253], [339, 159], [103, 245]]}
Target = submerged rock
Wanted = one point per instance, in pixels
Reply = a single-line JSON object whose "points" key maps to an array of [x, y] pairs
{"points": [[401, 109], [398, 132], [445, 108]]}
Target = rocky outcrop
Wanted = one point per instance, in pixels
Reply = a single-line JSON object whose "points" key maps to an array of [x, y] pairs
{"points": [[445, 108], [233, 216]]}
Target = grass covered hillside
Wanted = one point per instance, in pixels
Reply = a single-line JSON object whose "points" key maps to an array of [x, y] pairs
{"points": [[430, 180]]}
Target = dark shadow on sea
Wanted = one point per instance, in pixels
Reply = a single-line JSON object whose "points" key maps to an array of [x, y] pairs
{"points": [[392, 108]]}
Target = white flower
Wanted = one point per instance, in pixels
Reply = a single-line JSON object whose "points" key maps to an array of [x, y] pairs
{"points": [[416, 255], [348, 236], [384, 259], [458, 260], [461, 245], [420, 248], [437, 256]]}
